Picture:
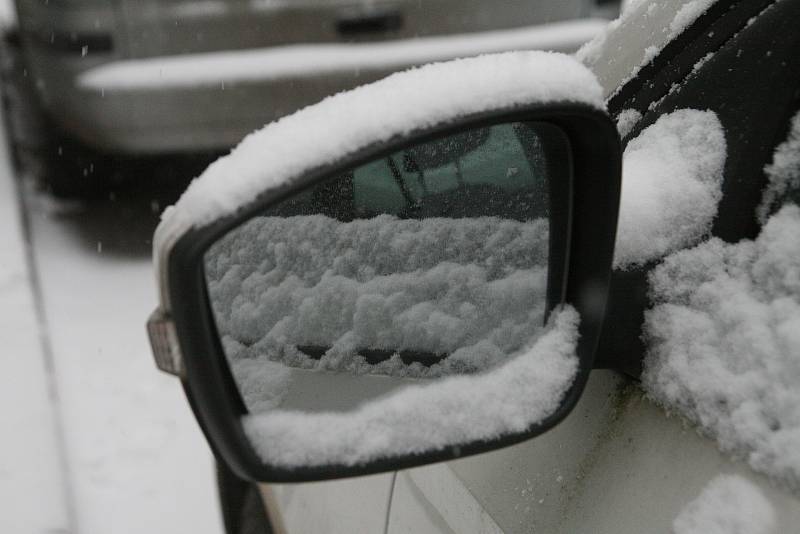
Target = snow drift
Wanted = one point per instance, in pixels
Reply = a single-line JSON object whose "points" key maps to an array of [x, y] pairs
{"points": [[724, 343]]}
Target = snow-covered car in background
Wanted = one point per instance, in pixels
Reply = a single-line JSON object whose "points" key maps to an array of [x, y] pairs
{"points": [[446, 262], [148, 77]]}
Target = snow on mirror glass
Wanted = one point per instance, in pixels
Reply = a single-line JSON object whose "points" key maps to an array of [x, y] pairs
{"points": [[428, 262]]}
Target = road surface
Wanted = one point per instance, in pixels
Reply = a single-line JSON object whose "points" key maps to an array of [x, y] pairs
{"points": [[95, 439]]}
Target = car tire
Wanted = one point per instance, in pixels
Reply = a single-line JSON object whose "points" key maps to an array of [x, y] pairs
{"points": [[39, 146], [71, 169]]}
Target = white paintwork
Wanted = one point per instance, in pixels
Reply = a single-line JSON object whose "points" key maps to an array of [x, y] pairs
{"points": [[434, 500], [618, 464], [334, 507], [648, 467], [527, 487]]}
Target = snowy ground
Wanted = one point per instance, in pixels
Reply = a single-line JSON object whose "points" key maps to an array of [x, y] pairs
{"points": [[136, 461], [95, 439], [32, 468]]}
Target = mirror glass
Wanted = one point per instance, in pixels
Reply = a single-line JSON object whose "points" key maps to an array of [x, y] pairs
{"points": [[424, 263]]}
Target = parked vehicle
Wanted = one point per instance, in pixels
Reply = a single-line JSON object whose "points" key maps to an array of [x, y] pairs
{"points": [[164, 77], [427, 314]]}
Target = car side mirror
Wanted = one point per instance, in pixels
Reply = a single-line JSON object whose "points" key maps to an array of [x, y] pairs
{"points": [[409, 272]]}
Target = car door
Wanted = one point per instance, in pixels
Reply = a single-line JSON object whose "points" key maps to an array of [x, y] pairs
{"points": [[169, 27], [337, 507], [619, 463]]}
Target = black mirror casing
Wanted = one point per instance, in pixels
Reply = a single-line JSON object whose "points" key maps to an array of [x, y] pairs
{"points": [[580, 262]]}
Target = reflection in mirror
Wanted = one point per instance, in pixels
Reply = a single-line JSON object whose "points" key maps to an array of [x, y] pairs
{"points": [[427, 262]]}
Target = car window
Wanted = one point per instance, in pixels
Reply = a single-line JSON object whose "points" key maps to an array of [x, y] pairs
{"points": [[507, 160]]}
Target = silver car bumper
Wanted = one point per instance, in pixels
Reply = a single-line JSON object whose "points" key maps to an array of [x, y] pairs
{"points": [[210, 101]]}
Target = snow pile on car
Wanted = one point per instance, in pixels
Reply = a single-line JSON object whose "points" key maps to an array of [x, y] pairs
{"points": [[784, 171], [626, 121], [729, 504], [671, 185], [724, 343], [455, 409], [687, 14], [469, 290], [404, 102]]}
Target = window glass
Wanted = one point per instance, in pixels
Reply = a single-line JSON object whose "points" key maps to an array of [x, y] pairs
{"points": [[428, 261], [508, 157]]}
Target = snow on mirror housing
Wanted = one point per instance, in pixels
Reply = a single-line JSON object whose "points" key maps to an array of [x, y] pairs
{"points": [[433, 294]]}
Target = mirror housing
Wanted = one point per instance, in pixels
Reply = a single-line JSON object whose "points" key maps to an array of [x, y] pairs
{"points": [[183, 330]]}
